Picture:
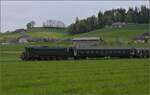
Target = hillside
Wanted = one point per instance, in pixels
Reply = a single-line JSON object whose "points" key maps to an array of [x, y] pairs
{"points": [[38, 32], [48, 32], [123, 34], [108, 34]]}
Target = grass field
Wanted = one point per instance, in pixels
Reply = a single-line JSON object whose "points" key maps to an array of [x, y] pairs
{"points": [[124, 34], [71, 77], [74, 77], [93, 77], [38, 32]]}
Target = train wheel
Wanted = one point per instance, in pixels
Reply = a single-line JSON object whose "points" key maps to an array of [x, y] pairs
{"points": [[47, 58], [38, 58], [75, 58], [57, 58], [50, 58], [54, 58], [130, 56]]}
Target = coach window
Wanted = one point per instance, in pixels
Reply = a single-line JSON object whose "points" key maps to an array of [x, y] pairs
{"points": [[103, 52], [110, 51], [119, 51], [96, 51], [93, 51], [87, 52], [122, 51], [90, 51]]}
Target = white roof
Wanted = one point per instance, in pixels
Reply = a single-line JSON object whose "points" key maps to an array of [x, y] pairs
{"points": [[86, 38]]}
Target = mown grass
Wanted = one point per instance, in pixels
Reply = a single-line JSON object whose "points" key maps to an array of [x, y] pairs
{"points": [[123, 34], [37, 32], [71, 77], [8, 36], [48, 32], [80, 77]]}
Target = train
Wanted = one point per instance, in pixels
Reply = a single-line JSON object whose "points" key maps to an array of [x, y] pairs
{"points": [[62, 53]]}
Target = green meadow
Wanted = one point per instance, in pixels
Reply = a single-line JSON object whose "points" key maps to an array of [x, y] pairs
{"points": [[74, 77], [124, 34], [71, 77]]}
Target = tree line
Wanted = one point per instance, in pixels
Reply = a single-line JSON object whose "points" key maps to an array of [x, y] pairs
{"points": [[132, 15], [47, 23]]}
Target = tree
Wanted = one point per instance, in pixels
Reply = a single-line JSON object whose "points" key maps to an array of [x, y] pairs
{"points": [[100, 20], [53, 23], [108, 17], [30, 25], [119, 15], [72, 29], [144, 15], [92, 23], [82, 26], [133, 15], [136, 14], [77, 20], [130, 16]]}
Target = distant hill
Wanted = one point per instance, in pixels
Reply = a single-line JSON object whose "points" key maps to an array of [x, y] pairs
{"points": [[123, 34], [50, 32], [108, 34]]}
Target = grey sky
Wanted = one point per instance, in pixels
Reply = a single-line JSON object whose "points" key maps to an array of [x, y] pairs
{"points": [[15, 14]]}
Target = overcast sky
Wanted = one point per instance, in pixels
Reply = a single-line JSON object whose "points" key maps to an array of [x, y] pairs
{"points": [[15, 14]]}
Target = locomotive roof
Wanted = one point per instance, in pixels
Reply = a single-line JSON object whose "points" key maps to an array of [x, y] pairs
{"points": [[39, 47]]}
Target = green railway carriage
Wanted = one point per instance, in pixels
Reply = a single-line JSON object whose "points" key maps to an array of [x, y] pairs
{"points": [[140, 52], [96, 52]]}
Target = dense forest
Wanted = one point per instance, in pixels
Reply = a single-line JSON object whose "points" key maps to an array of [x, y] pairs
{"points": [[132, 15]]}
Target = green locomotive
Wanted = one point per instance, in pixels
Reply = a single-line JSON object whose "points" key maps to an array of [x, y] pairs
{"points": [[44, 53]]}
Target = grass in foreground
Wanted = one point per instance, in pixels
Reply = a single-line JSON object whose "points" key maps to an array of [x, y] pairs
{"points": [[79, 77]]}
